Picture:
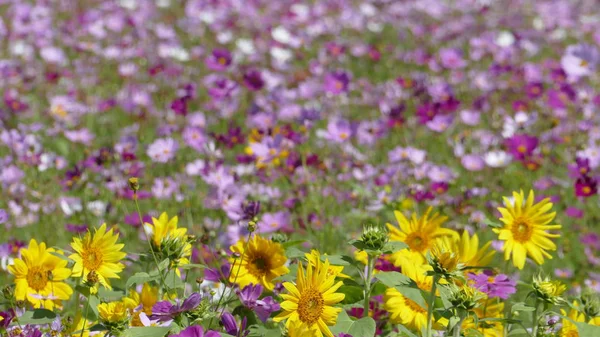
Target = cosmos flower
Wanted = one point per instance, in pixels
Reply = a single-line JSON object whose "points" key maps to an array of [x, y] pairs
{"points": [[162, 150], [196, 331], [525, 230], [493, 285], [580, 60], [336, 82]]}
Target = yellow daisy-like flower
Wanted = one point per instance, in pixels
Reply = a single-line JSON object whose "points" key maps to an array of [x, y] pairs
{"points": [[525, 229], [404, 311], [469, 252], [314, 258], [260, 261], [98, 253], [80, 327], [419, 233], [40, 275], [309, 304], [163, 228], [114, 312], [146, 299]]}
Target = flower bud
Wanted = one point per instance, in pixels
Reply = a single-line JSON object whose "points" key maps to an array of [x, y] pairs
{"points": [[465, 297], [374, 237], [547, 290], [134, 184], [279, 238]]}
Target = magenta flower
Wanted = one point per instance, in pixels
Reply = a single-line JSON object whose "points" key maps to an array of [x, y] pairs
{"points": [[521, 146], [162, 150], [219, 59], [452, 58], [337, 82], [493, 285], [253, 80], [585, 187], [165, 310]]}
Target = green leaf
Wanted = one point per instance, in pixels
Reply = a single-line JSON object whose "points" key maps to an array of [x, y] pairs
{"points": [[521, 306], [193, 266], [93, 302], [364, 327], [344, 322], [394, 246], [353, 294], [85, 291], [37, 316], [292, 243], [294, 253], [173, 281], [393, 279], [336, 260], [358, 244], [140, 278], [404, 330], [149, 331], [62, 257], [473, 333], [587, 329], [164, 264], [452, 322], [518, 332], [492, 224], [260, 331]]}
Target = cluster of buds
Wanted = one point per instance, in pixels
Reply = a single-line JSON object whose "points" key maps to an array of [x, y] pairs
{"points": [[465, 297], [174, 248], [591, 304], [445, 262], [547, 290], [374, 237], [92, 279], [279, 238]]}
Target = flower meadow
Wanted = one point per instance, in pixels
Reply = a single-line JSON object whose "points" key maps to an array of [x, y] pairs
{"points": [[338, 168]]}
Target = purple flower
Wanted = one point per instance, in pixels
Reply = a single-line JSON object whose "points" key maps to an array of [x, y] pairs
{"points": [[271, 222], [473, 162], [76, 228], [162, 150], [218, 60], [215, 275], [338, 131], [580, 60], [494, 286], [251, 209], [585, 187], [230, 325], [337, 82], [3, 216], [253, 80], [521, 146], [452, 58], [263, 308], [196, 331], [179, 106], [194, 137], [165, 310]]}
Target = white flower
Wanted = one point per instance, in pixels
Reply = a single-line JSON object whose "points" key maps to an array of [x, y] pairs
{"points": [[497, 158]]}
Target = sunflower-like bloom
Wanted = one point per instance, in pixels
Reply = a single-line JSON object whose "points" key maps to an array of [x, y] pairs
{"points": [[40, 275], [314, 258], [469, 252], [569, 329], [97, 257], [114, 312], [525, 229], [169, 240], [487, 309], [143, 300], [309, 304], [404, 310], [260, 261], [419, 233]]}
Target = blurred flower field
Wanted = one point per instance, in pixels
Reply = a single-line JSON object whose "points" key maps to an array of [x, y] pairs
{"points": [[347, 168]]}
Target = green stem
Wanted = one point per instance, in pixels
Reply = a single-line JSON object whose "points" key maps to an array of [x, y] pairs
{"points": [[87, 307], [162, 277], [457, 328], [535, 318], [368, 276], [430, 304]]}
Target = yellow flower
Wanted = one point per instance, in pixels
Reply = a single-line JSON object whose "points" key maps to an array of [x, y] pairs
{"points": [[491, 309], [163, 228], [314, 258], [297, 329], [402, 309], [525, 229], [99, 254], [40, 275], [419, 234], [260, 261], [309, 304], [547, 290], [114, 312], [80, 327], [147, 298], [469, 252]]}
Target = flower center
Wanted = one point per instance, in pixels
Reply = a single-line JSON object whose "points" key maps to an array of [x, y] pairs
{"points": [[259, 265], [521, 149], [521, 230], [92, 258], [37, 278], [310, 306], [414, 306], [417, 242]]}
